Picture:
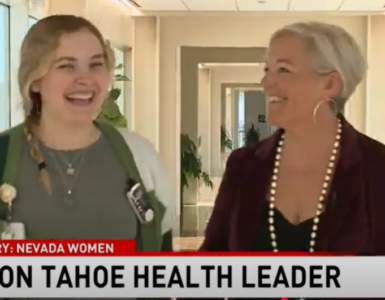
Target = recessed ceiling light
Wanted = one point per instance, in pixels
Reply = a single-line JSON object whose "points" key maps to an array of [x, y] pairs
{"points": [[135, 3]]}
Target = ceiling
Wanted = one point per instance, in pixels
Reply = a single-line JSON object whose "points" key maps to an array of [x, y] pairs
{"points": [[261, 5]]}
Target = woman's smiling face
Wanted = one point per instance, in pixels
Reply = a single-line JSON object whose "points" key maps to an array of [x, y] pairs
{"points": [[75, 86], [292, 87]]}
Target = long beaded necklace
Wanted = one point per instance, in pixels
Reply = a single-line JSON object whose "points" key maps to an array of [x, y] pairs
{"points": [[321, 201]]}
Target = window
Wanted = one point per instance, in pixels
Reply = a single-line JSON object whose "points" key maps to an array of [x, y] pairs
{"points": [[36, 10], [241, 118], [119, 61], [4, 68], [31, 21]]}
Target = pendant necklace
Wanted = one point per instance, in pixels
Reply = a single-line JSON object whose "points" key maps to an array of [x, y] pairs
{"points": [[70, 171], [69, 164], [68, 197]]}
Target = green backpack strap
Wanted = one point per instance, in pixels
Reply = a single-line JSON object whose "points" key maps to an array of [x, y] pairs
{"points": [[149, 237], [11, 140], [10, 153]]}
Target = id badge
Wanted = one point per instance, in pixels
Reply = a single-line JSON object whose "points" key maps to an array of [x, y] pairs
{"points": [[143, 211], [12, 231]]}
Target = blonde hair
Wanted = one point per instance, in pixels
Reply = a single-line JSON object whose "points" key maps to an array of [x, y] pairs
{"points": [[334, 50], [36, 54]]}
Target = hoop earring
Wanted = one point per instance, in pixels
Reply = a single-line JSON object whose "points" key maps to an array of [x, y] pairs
{"points": [[319, 105]]}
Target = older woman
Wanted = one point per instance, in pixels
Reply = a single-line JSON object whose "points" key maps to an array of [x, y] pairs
{"points": [[317, 184]]}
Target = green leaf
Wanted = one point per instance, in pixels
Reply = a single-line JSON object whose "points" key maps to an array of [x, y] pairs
{"points": [[114, 94], [252, 136], [110, 109], [120, 78], [206, 179], [226, 142], [191, 163]]}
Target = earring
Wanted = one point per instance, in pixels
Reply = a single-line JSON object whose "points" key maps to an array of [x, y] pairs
{"points": [[319, 105]]}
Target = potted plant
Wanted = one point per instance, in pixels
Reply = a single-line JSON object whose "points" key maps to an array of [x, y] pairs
{"points": [[226, 142], [252, 136], [191, 167], [110, 109]]}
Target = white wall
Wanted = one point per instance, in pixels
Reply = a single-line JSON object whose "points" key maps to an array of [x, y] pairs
{"points": [[375, 89], [204, 116], [111, 17]]}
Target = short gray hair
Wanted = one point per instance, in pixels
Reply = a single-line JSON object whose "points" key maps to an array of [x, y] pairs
{"points": [[334, 50]]}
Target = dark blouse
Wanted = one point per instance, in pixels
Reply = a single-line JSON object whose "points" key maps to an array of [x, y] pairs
{"points": [[289, 237]]}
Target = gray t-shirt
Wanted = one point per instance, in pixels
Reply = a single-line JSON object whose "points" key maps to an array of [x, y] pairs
{"points": [[97, 207]]}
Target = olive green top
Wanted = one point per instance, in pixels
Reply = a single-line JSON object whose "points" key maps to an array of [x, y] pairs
{"points": [[97, 207]]}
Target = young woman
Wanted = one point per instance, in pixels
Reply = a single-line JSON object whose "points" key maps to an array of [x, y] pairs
{"points": [[64, 175]]}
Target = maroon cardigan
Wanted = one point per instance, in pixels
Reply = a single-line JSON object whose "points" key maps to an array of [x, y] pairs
{"points": [[356, 221]]}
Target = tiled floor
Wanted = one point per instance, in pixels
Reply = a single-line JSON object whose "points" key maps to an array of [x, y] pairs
{"points": [[187, 243], [206, 197]]}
